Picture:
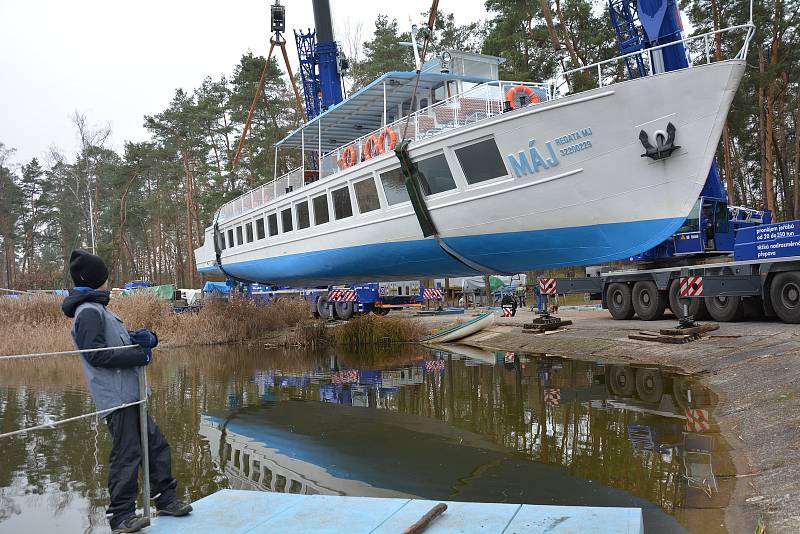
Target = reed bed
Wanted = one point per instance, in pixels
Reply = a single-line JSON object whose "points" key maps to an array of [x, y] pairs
{"points": [[37, 324], [372, 330]]}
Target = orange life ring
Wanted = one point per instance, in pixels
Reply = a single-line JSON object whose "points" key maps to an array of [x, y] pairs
{"points": [[511, 93], [392, 135], [349, 157], [373, 147]]}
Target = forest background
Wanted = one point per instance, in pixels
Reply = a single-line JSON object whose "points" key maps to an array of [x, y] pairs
{"points": [[148, 205]]}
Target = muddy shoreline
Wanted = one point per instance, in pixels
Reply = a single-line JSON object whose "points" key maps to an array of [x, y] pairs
{"points": [[753, 367]]}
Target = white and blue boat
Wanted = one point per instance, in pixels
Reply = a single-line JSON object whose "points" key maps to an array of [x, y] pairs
{"points": [[513, 176]]}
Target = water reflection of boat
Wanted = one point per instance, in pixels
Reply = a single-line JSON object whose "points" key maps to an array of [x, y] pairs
{"points": [[378, 452], [251, 465]]}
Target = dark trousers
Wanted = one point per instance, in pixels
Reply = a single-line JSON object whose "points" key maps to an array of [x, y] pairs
{"points": [[123, 472]]}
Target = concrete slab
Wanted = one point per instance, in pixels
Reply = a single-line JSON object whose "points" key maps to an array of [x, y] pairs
{"points": [[252, 512], [576, 519]]}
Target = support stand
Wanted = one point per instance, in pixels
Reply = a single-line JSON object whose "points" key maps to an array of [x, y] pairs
{"points": [[145, 447]]}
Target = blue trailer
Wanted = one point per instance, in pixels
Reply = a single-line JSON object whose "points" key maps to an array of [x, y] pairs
{"points": [[346, 300]]}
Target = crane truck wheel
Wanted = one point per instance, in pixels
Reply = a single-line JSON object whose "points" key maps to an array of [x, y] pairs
{"points": [[620, 380], [725, 309], [344, 310], [619, 301], [648, 302], [322, 307], [649, 385], [697, 306], [785, 296]]}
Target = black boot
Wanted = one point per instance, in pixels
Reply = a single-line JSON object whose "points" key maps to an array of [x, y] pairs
{"points": [[133, 524], [176, 508]]}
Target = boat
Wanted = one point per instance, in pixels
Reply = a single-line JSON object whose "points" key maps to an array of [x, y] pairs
{"points": [[512, 176], [460, 331]]}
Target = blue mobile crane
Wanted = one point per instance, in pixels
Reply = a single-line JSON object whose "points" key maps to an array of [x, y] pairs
{"points": [[736, 260]]}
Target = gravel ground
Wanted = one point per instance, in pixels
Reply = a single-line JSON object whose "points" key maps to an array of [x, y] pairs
{"points": [[754, 367]]}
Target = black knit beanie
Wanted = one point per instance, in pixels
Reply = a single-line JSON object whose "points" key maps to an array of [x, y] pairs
{"points": [[87, 270]]}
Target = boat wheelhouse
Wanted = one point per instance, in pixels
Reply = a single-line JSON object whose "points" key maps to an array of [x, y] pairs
{"points": [[515, 175]]}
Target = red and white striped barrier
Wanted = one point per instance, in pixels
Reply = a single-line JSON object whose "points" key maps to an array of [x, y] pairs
{"points": [[552, 396], [347, 376], [434, 365], [508, 310], [432, 294], [547, 286], [697, 420], [341, 295], [691, 286]]}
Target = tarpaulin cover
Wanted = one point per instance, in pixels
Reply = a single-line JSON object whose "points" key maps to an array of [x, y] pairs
{"points": [[166, 291], [220, 288]]}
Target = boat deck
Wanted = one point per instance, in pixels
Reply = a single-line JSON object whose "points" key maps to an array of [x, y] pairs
{"points": [[237, 511]]}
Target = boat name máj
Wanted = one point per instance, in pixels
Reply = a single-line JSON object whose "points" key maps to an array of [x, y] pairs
{"points": [[532, 161]]}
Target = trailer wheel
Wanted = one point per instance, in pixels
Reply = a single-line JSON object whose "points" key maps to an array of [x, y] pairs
{"points": [[785, 296], [620, 380], [620, 301], [322, 307], [697, 306], [725, 309], [344, 310], [648, 302], [649, 385], [680, 392]]}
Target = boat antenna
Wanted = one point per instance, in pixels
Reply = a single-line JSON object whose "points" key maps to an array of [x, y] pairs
{"points": [[277, 26]]}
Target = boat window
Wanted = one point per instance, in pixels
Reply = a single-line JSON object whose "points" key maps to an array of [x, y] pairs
{"points": [[248, 230], [367, 195], [272, 224], [260, 229], [435, 176], [239, 239], [230, 238], [481, 161], [286, 220], [280, 483], [342, 208], [221, 240], [394, 185], [302, 215], [321, 209]]}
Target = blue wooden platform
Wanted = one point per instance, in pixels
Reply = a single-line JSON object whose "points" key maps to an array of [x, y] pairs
{"points": [[237, 511]]}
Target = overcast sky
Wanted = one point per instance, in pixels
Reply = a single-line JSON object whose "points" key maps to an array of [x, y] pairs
{"points": [[117, 61]]}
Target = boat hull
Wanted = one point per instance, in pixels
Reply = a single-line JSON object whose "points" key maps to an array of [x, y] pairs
{"points": [[600, 203]]}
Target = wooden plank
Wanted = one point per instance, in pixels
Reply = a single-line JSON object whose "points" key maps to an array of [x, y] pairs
{"points": [[663, 339], [332, 514], [571, 519], [460, 517], [699, 329]]}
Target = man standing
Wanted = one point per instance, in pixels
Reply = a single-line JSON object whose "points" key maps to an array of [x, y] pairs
{"points": [[113, 380]]}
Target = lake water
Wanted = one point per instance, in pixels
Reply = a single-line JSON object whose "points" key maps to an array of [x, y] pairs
{"points": [[462, 424]]}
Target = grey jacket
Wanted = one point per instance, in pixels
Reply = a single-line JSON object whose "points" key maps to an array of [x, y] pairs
{"points": [[112, 376]]}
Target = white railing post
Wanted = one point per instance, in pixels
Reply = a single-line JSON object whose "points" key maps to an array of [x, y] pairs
{"points": [[705, 44], [144, 441], [599, 76]]}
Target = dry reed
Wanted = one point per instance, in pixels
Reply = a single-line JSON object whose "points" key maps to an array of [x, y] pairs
{"points": [[371, 330], [37, 324]]}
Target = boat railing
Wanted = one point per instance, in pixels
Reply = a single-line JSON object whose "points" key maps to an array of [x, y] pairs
{"points": [[699, 49], [473, 105], [468, 107]]}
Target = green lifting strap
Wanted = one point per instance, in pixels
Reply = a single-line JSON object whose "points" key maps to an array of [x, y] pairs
{"points": [[411, 173], [415, 193]]}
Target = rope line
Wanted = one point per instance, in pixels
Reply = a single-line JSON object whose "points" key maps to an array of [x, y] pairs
{"points": [[63, 352], [70, 419]]}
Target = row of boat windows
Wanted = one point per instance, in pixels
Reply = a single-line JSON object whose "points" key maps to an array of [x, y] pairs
{"points": [[479, 161]]}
